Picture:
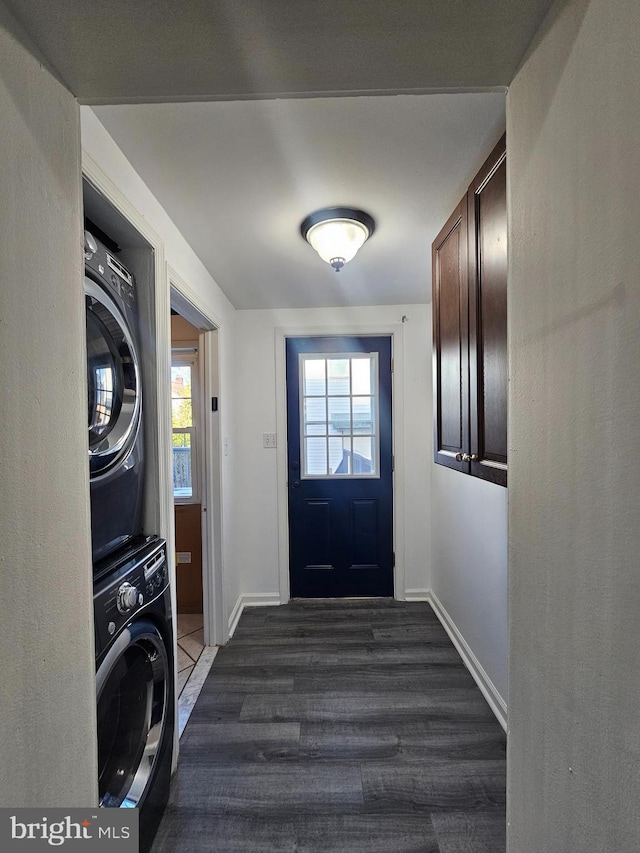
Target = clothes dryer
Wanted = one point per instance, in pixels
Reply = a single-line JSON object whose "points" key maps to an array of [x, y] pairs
{"points": [[115, 399], [134, 681]]}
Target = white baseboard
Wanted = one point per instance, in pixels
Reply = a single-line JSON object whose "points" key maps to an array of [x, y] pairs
{"points": [[234, 617], [256, 599], [488, 688], [417, 595]]}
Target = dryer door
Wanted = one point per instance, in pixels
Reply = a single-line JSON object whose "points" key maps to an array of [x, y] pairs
{"points": [[113, 377], [134, 692]]}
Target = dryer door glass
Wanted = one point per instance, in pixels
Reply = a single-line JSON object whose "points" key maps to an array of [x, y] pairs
{"points": [[132, 710], [105, 379], [113, 382]]}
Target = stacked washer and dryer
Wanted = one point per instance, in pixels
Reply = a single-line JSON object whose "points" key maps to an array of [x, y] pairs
{"points": [[132, 601]]}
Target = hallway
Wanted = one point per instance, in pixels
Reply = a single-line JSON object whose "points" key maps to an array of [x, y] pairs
{"points": [[341, 725]]}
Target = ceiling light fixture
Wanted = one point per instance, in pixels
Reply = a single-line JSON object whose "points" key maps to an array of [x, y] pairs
{"points": [[336, 233]]}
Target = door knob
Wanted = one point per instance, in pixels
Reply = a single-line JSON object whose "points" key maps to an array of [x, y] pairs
{"points": [[295, 484], [466, 457]]}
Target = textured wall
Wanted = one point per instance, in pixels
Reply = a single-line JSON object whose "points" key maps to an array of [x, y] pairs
{"points": [[47, 736], [574, 177]]}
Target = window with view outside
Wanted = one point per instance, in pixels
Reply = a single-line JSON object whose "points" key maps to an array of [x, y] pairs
{"points": [[339, 415], [183, 430]]}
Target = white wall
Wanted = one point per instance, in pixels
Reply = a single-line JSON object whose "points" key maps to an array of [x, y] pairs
{"points": [[257, 547], [100, 147], [47, 735], [469, 567], [574, 498]]}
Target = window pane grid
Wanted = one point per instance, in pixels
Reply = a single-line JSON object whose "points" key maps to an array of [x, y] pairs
{"points": [[184, 413], [338, 415]]}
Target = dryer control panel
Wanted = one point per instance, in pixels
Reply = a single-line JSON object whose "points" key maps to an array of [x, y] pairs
{"points": [[120, 278], [108, 269]]}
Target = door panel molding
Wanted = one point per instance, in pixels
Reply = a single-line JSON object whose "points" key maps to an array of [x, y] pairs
{"points": [[450, 319], [395, 331], [363, 523]]}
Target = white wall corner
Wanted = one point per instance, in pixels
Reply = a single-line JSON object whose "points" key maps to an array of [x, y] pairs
{"points": [[417, 595], [255, 599], [496, 702]]}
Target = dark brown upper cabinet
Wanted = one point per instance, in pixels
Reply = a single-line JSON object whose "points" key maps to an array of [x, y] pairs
{"points": [[451, 341], [470, 328]]}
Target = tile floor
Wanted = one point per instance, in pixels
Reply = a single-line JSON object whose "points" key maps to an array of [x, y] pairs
{"points": [[190, 645], [194, 663]]}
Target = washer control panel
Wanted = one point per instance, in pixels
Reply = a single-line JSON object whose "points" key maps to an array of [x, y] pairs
{"points": [[131, 586], [155, 574]]}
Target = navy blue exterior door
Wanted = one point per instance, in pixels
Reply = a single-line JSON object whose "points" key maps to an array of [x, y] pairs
{"points": [[340, 466]]}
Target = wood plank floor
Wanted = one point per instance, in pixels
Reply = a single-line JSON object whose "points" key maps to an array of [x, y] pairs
{"points": [[338, 727]]}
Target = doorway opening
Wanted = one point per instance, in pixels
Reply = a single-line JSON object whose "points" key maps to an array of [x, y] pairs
{"points": [[195, 480], [186, 424]]}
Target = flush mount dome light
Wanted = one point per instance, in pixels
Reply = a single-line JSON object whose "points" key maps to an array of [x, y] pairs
{"points": [[336, 233]]}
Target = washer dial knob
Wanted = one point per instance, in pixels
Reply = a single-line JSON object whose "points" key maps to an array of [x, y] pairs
{"points": [[127, 597]]}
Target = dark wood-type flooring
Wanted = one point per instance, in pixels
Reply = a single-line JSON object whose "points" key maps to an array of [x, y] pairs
{"points": [[347, 726]]}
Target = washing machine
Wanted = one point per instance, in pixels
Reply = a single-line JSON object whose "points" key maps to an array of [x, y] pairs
{"points": [[115, 399], [134, 681]]}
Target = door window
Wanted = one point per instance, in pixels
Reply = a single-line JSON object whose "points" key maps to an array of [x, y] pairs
{"points": [[339, 415]]}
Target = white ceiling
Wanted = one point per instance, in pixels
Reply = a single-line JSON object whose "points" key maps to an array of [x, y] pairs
{"points": [[238, 178], [119, 51], [193, 90]]}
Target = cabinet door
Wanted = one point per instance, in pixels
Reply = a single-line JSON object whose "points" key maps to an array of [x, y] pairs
{"points": [[450, 341], [488, 366]]}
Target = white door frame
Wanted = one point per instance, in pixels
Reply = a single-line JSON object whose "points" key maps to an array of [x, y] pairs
{"points": [[395, 332], [191, 306]]}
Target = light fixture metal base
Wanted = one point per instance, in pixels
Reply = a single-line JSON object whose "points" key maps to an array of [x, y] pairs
{"points": [[327, 213]]}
